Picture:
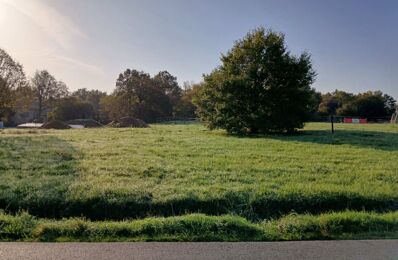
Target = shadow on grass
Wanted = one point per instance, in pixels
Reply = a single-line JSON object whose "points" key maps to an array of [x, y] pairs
{"points": [[386, 141], [35, 173]]}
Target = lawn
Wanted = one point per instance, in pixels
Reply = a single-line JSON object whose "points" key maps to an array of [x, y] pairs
{"points": [[166, 173]]}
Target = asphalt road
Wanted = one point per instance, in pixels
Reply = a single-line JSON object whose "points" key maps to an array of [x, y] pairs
{"points": [[363, 249]]}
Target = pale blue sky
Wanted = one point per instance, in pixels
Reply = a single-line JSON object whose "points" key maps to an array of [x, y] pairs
{"points": [[88, 43]]}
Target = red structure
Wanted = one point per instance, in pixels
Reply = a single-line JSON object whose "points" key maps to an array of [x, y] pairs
{"points": [[350, 120]]}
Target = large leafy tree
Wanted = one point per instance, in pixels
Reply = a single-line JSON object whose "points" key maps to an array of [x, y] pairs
{"points": [[12, 81], [128, 86], [112, 108], [47, 91], [141, 96], [373, 104], [91, 96], [259, 87], [169, 85], [73, 108], [11, 71], [6, 100], [337, 103]]}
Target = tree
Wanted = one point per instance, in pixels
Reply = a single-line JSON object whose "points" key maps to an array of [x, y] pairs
{"points": [[260, 87], [337, 103], [141, 96], [5, 99], [72, 108], [390, 104], [112, 108], [91, 96], [315, 102], [11, 71], [47, 90], [169, 85], [371, 104], [185, 107], [129, 83], [12, 79]]}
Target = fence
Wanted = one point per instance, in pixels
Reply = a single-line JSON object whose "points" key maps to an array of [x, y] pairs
{"points": [[353, 119], [175, 119]]}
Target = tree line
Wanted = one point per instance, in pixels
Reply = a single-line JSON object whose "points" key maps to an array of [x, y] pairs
{"points": [[370, 104], [259, 87], [137, 94]]}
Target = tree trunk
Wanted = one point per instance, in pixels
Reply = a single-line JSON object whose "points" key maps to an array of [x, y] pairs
{"points": [[40, 108]]}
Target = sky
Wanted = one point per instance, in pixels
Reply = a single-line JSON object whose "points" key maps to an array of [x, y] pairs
{"points": [[86, 44]]}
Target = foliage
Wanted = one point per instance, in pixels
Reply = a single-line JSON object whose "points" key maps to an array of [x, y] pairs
{"points": [[260, 87], [138, 95], [11, 71], [91, 96], [6, 99], [338, 102], [47, 90], [185, 107], [169, 85], [368, 104], [73, 108], [12, 79], [373, 104], [112, 108]]}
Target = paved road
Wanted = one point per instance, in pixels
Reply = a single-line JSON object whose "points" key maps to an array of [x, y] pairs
{"points": [[364, 249]]}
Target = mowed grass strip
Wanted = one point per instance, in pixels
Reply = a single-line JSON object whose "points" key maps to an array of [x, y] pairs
{"points": [[198, 227], [177, 169]]}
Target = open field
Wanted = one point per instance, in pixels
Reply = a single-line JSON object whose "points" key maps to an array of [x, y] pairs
{"points": [[175, 170]]}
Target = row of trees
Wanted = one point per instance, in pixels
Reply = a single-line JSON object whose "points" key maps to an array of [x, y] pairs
{"points": [[371, 104], [259, 87], [137, 94]]}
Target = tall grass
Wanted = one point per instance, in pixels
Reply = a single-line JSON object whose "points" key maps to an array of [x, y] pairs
{"points": [[197, 227]]}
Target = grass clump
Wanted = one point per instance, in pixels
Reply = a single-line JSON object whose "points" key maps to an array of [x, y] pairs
{"points": [[17, 227], [337, 225], [199, 227], [183, 228]]}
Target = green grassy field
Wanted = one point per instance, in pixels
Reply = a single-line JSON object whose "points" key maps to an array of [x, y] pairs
{"points": [[94, 178]]}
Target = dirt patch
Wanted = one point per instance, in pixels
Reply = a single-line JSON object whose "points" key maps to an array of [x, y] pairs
{"points": [[87, 123], [55, 124], [128, 122]]}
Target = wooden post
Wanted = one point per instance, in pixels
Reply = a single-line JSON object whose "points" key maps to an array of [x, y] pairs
{"points": [[332, 122]]}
